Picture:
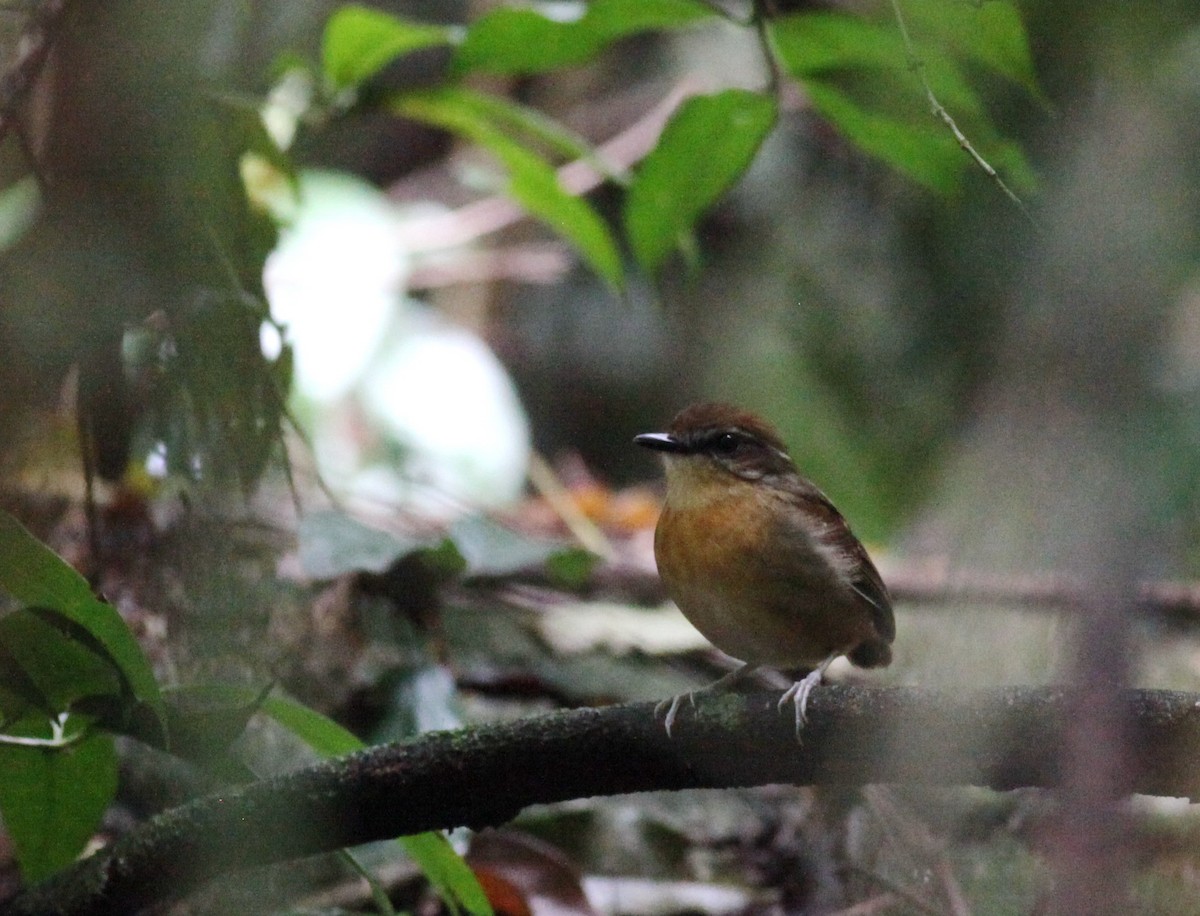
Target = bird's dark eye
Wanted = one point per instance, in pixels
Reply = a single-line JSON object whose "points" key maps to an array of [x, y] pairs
{"points": [[726, 444]]}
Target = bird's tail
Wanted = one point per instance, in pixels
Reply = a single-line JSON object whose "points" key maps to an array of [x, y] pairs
{"points": [[874, 653]]}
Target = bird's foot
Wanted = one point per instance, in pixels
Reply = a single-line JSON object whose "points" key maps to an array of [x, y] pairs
{"points": [[672, 707], [798, 694]]}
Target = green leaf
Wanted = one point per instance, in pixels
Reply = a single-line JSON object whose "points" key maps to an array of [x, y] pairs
{"points": [[821, 44], [571, 568], [35, 575], [432, 852], [532, 181], [521, 41], [808, 44], [61, 669], [447, 872], [525, 125], [705, 147], [927, 154], [491, 549], [878, 101], [205, 720], [332, 544], [319, 732], [359, 42], [52, 801], [990, 34]]}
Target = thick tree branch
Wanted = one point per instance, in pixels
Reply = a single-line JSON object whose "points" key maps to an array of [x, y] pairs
{"points": [[1002, 738]]}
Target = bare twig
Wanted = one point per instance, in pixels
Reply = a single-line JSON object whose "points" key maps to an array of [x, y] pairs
{"points": [[914, 833], [901, 894], [546, 482], [932, 583], [544, 263], [881, 903], [939, 111]]}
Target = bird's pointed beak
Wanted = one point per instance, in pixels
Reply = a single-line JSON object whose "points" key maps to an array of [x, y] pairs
{"points": [[660, 442]]}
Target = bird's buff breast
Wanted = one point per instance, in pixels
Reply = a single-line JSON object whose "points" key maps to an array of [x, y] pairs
{"points": [[717, 563]]}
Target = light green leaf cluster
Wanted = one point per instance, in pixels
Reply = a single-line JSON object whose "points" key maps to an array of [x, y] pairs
{"points": [[862, 72]]}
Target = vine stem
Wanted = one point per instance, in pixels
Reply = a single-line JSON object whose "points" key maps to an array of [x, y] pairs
{"points": [[939, 111]]}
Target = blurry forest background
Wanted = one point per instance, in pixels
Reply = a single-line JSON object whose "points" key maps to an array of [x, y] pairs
{"points": [[311, 402]]}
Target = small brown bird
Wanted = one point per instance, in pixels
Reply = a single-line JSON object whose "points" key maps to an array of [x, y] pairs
{"points": [[758, 559]]}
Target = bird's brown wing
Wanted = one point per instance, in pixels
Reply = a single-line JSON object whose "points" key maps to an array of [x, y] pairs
{"points": [[835, 535]]}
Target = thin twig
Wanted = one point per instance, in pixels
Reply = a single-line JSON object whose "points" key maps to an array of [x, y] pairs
{"points": [[546, 482], [880, 903], [939, 111], [933, 583], [913, 832], [895, 889]]}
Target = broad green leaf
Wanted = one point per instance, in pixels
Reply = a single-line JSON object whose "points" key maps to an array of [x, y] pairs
{"points": [[991, 34], [705, 147], [52, 800], [61, 669], [206, 719], [319, 732], [532, 181], [332, 544], [35, 575], [491, 549], [928, 153], [359, 42], [860, 76], [447, 871], [808, 44], [508, 40], [811, 45]]}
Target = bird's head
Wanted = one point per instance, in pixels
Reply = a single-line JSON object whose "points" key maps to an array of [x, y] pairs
{"points": [[709, 447]]}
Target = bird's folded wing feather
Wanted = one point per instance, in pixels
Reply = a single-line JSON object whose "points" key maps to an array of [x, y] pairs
{"points": [[834, 535]]}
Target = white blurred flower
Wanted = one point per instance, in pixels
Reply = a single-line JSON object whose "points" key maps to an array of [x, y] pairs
{"points": [[442, 394], [335, 280]]}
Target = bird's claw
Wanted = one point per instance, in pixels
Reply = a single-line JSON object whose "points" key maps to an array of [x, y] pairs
{"points": [[672, 707], [798, 695]]}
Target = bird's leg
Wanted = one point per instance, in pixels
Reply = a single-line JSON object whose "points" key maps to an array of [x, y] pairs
{"points": [[799, 691], [672, 705]]}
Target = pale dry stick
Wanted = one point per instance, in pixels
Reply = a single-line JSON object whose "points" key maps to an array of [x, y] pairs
{"points": [[909, 829], [880, 903], [904, 894], [546, 482], [939, 111], [917, 834], [491, 214], [527, 263], [933, 582]]}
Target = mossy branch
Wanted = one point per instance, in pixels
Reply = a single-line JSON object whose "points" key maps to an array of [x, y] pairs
{"points": [[1002, 738]]}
